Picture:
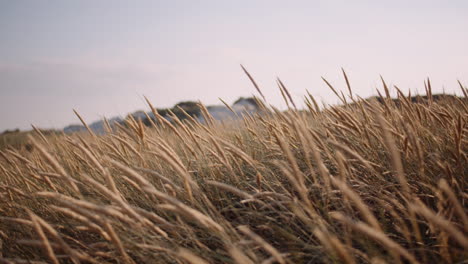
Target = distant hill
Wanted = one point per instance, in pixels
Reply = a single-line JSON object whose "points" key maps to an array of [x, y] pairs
{"points": [[219, 112], [422, 98], [97, 127], [16, 138]]}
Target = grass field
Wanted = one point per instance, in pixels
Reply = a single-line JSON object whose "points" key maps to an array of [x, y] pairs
{"points": [[363, 182]]}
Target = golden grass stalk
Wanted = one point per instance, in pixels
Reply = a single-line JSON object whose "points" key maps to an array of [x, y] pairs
{"points": [[342, 99], [441, 222], [238, 153], [229, 107], [210, 122], [387, 92], [356, 156], [464, 90], [231, 189], [39, 132], [380, 237], [333, 244], [291, 160], [74, 254], [287, 92], [83, 219], [347, 83], [129, 146], [261, 242], [394, 155], [204, 220], [190, 257], [102, 170], [107, 126], [55, 164], [238, 256], [84, 123], [283, 94], [19, 157], [398, 168], [299, 187], [141, 131], [362, 207], [323, 171], [114, 197], [118, 243], [143, 180], [253, 82], [180, 169], [443, 185], [45, 241], [161, 119]]}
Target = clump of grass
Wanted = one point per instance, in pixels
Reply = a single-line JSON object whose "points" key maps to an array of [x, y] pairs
{"points": [[369, 181]]}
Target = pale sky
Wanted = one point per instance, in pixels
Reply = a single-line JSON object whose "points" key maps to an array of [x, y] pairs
{"points": [[100, 57]]}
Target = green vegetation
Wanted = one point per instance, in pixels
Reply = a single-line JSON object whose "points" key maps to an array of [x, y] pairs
{"points": [[364, 182], [12, 138], [17, 139]]}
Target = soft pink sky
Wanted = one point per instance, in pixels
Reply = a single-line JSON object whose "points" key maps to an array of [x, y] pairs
{"points": [[101, 57]]}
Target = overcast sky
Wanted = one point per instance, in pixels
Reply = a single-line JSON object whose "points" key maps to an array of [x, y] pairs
{"points": [[101, 57]]}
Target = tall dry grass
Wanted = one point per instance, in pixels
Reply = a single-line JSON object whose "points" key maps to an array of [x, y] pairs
{"points": [[363, 182]]}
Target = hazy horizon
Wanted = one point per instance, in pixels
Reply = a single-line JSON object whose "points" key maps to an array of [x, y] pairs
{"points": [[101, 57]]}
